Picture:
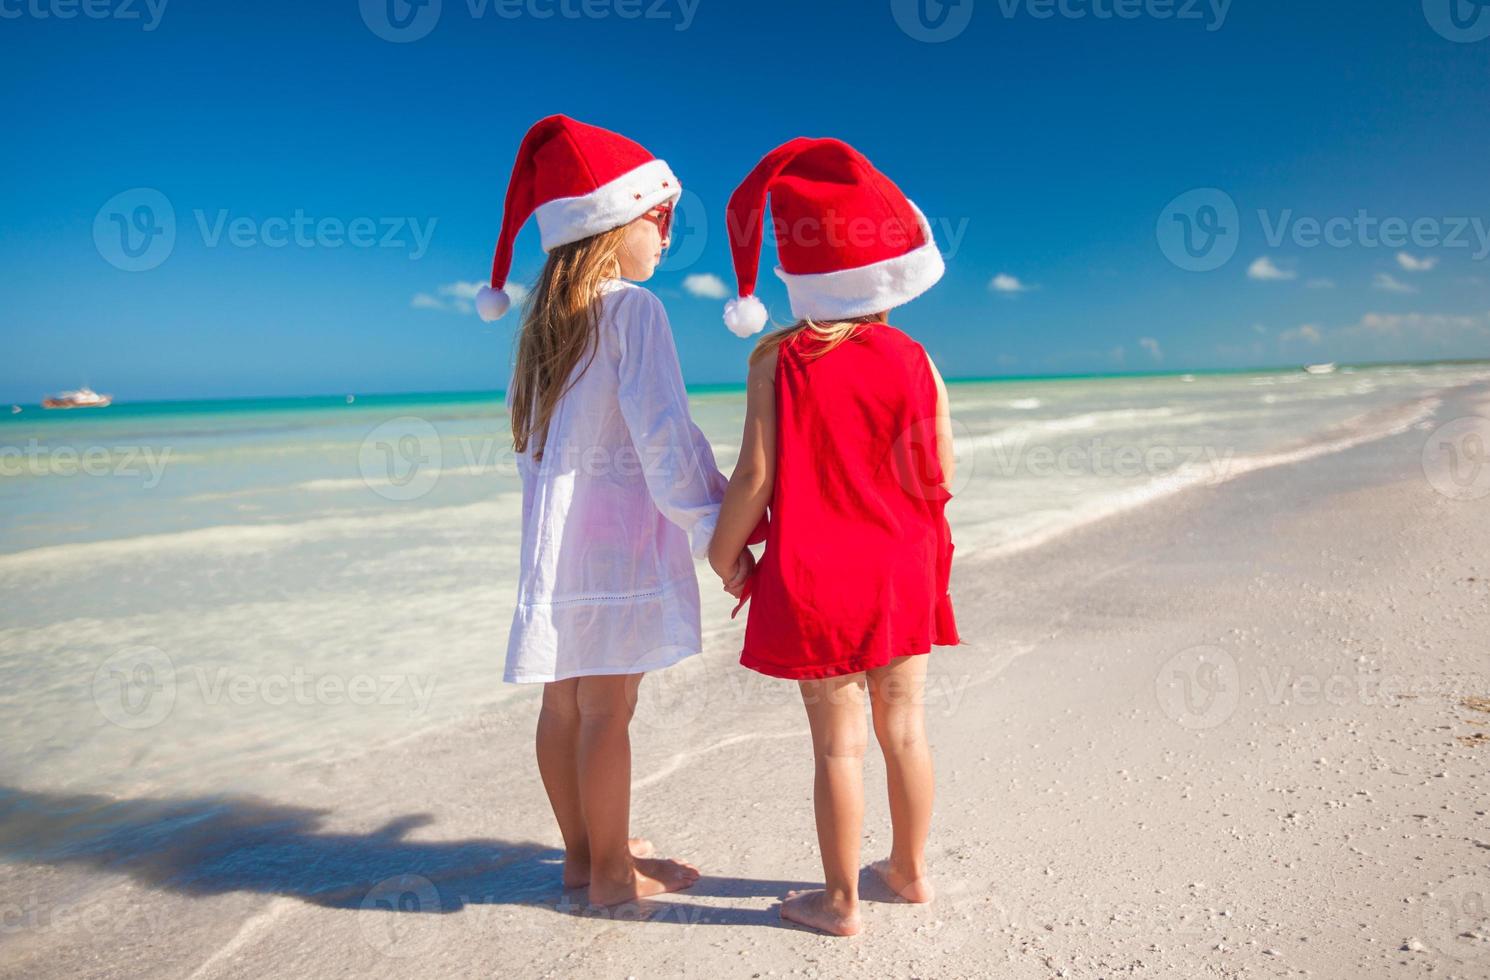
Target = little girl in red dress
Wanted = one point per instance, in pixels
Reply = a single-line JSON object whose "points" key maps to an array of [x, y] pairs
{"points": [[848, 441]]}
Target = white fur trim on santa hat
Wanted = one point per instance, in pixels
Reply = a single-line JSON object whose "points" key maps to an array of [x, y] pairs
{"points": [[868, 289], [745, 315], [622, 201], [492, 304]]}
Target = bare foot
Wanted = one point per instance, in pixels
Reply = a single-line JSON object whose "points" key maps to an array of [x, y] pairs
{"points": [[651, 876], [577, 873], [917, 890], [816, 910]]}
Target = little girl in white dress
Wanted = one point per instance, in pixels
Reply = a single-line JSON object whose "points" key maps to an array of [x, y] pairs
{"points": [[620, 488]]}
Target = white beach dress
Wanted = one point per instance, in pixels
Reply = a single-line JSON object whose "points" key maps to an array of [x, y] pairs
{"points": [[626, 495]]}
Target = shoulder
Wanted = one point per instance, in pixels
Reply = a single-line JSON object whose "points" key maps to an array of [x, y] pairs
{"points": [[916, 358], [627, 298], [763, 368], [895, 337]]}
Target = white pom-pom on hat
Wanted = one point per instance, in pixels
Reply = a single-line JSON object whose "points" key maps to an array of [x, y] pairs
{"points": [[745, 316], [492, 304]]}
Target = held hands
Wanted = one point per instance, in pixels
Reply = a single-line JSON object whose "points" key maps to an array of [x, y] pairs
{"points": [[736, 576]]}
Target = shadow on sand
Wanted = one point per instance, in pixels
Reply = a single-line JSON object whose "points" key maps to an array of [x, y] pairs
{"points": [[217, 844]]}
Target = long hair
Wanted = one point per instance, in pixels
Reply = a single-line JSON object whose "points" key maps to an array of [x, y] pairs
{"points": [[831, 334], [560, 327]]}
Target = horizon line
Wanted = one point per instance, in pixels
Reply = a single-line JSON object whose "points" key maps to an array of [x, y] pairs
{"points": [[740, 386]]}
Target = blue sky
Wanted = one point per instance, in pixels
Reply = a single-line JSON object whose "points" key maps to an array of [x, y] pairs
{"points": [[1045, 148]]}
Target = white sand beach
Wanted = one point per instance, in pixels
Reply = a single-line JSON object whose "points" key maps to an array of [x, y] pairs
{"points": [[1239, 731]]}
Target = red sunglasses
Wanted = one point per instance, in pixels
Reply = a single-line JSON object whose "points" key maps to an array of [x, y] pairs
{"points": [[662, 217]]}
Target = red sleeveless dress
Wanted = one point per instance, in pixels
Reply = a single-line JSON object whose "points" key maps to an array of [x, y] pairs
{"points": [[858, 552]]}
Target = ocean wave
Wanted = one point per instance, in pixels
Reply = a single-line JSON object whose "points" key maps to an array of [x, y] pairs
{"points": [[237, 539], [1357, 431], [1113, 419]]}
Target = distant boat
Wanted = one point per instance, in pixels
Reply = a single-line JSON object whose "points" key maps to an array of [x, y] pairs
{"points": [[82, 398], [1321, 368], [15, 410], [351, 399]]}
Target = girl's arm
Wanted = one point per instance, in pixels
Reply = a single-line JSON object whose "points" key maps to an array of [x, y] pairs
{"points": [[676, 459], [945, 449], [755, 474]]}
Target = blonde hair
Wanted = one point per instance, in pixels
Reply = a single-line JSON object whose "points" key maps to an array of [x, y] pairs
{"points": [[560, 325], [830, 333]]}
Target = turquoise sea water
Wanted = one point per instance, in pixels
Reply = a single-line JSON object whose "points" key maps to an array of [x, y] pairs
{"points": [[197, 593]]}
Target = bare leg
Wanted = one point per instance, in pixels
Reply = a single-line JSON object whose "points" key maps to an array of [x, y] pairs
{"points": [[835, 713], [558, 764], [616, 875], [558, 761], [897, 697]]}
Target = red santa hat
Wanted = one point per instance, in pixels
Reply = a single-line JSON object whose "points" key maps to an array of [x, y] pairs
{"points": [[579, 180], [850, 242]]}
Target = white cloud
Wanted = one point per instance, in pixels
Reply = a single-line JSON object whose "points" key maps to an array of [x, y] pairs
{"points": [[1308, 333], [1152, 346], [460, 296], [1320, 284], [705, 285], [1414, 264], [1387, 282], [1397, 337], [1420, 326], [1005, 283], [1265, 270]]}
